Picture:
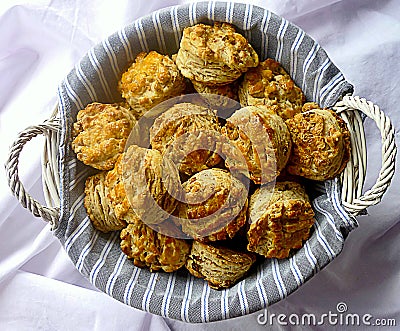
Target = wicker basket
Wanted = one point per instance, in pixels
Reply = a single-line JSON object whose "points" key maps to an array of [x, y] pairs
{"points": [[353, 199]]}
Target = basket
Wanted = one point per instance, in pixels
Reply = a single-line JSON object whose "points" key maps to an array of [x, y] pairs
{"points": [[179, 295]]}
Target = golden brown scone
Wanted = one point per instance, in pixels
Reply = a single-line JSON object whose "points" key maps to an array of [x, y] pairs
{"points": [[221, 267], [100, 133], [216, 205], [187, 134], [116, 193], [98, 205], [219, 96], [321, 143], [151, 79], [214, 54], [259, 143], [228, 90], [280, 219], [152, 184], [151, 249], [271, 85]]}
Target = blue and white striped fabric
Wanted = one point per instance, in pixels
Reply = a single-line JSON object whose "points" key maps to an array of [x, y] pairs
{"points": [[179, 295]]}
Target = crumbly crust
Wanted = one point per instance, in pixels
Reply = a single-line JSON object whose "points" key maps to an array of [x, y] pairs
{"points": [[214, 54], [100, 133], [321, 143], [151, 79], [221, 267], [117, 194], [148, 248], [271, 85], [152, 184], [280, 219], [219, 96], [259, 136], [215, 207], [187, 134], [228, 90], [98, 206]]}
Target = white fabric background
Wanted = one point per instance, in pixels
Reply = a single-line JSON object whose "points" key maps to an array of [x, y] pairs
{"points": [[41, 41]]}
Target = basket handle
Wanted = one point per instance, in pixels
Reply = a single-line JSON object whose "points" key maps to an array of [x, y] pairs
{"points": [[48, 127], [354, 201]]}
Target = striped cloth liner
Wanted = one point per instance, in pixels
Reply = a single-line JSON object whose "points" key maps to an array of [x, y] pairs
{"points": [[179, 295]]}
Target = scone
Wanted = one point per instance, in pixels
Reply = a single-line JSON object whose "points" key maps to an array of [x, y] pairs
{"points": [[258, 145], [100, 134], [321, 143], [221, 267], [151, 79], [147, 248], [219, 96], [152, 184], [187, 134], [280, 219], [98, 206], [117, 194], [214, 54], [215, 205], [271, 85]]}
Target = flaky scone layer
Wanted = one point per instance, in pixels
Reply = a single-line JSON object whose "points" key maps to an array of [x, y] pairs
{"points": [[280, 219], [98, 206], [214, 54], [215, 206], [151, 79], [148, 248], [187, 134], [269, 84], [100, 134], [321, 143], [221, 267], [258, 144]]}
